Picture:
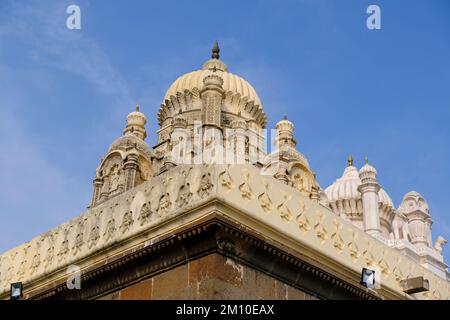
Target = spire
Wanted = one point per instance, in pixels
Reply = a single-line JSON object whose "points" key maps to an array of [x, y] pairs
{"points": [[285, 116], [215, 51], [136, 124], [350, 161], [366, 159]]}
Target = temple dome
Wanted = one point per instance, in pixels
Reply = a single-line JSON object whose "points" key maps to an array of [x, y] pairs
{"points": [[346, 188], [231, 83], [240, 98]]}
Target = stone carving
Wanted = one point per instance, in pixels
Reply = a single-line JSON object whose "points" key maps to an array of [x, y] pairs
{"points": [[79, 239], [110, 229], [368, 254], [205, 185], [397, 270], [353, 247], [440, 242], [338, 242], [146, 213], [127, 221], [385, 270], [36, 261], [164, 204], [64, 249], [10, 270], [225, 179], [245, 189], [302, 220], [283, 209], [321, 232], [184, 196], [23, 263], [50, 236], [264, 200], [94, 235]]}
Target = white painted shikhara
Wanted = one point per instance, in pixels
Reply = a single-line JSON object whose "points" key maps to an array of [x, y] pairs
{"points": [[141, 194]]}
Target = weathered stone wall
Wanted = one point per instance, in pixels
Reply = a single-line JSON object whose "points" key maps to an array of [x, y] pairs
{"points": [[211, 277]]}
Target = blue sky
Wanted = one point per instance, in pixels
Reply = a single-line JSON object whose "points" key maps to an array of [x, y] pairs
{"points": [[65, 94]]}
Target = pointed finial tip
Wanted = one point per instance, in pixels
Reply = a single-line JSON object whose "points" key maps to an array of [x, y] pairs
{"points": [[138, 107], [285, 116], [366, 159], [215, 51], [350, 161]]}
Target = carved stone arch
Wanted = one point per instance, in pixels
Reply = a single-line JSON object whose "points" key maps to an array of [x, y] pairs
{"points": [[301, 177], [108, 158]]}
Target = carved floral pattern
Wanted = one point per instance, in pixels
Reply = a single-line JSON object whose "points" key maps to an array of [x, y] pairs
{"points": [[127, 221], [94, 235], [338, 243], [164, 204], [225, 179], [184, 196], [245, 189], [110, 229], [205, 185], [264, 200], [145, 214], [283, 209], [321, 232]]}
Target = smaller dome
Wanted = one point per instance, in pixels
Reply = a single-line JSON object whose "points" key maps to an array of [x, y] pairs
{"points": [[346, 187], [130, 140], [136, 118], [136, 124], [413, 201], [285, 125], [368, 173], [367, 168]]}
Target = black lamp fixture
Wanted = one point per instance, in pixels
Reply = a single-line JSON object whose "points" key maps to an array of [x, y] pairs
{"points": [[16, 291], [368, 278]]}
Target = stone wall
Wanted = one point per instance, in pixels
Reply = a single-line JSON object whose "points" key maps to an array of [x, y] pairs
{"points": [[211, 277]]}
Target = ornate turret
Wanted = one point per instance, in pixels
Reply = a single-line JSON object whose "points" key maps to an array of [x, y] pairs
{"points": [[369, 188], [136, 124], [285, 133], [127, 163]]}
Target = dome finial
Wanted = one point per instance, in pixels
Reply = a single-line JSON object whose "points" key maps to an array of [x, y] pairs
{"points": [[285, 116], [350, 161], [138, 107], [366, 159], [215, 51]]}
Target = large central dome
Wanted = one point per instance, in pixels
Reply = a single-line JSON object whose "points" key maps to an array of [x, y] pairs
{"points": [[239, 96], [231, 82]]}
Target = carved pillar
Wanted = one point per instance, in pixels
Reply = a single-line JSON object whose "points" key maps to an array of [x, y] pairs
{"points": [[104, 194], [369, 191], [237, 141], [131, 169], [212, 96], [419, 226], [254, 143], [97, 189]]}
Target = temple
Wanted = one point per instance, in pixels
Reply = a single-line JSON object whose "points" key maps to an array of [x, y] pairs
{"points": [[215, 211]]}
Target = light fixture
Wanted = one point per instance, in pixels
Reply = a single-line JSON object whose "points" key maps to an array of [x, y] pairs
{"points": [[16, 291], [415, 285], [368, 278]]}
